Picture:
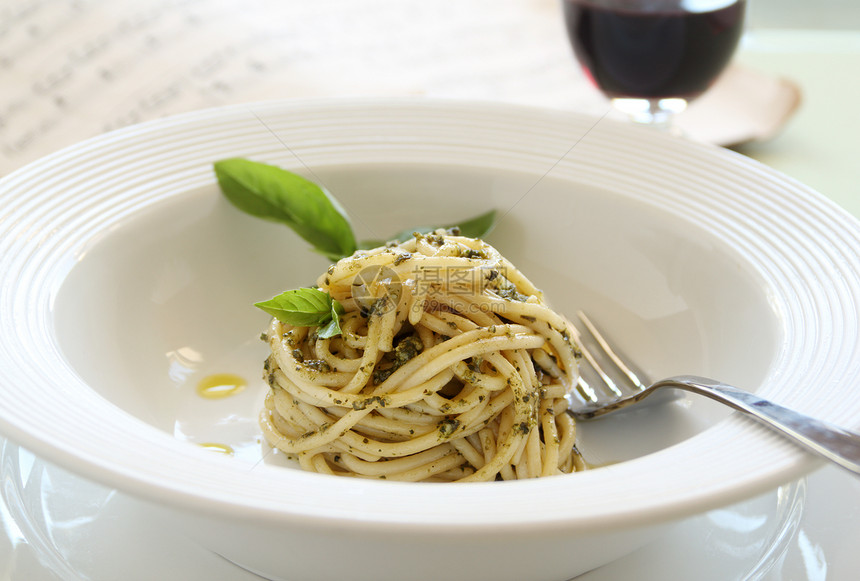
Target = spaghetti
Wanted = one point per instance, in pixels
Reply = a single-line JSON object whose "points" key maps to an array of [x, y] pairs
{"points": [[449, 367]]}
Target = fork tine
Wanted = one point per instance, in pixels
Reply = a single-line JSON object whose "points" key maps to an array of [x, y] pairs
{"points": [[604, 376], [586, 391], [621, 384], [612, 355], [583, 388]]}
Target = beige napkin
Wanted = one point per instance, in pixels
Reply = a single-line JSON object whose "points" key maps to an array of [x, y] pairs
{"points": [[743, 105]]}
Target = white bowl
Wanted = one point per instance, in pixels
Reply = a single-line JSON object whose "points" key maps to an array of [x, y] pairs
{"points": [[127, 278]]}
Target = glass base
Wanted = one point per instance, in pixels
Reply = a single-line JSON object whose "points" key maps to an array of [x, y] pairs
{"points": [[654, 112]]}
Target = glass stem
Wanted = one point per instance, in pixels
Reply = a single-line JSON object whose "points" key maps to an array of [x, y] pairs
{"points": [[657, 113], [657, 116]]}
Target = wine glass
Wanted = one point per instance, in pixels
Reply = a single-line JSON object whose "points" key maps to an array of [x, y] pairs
{"points": [[652, 57]]}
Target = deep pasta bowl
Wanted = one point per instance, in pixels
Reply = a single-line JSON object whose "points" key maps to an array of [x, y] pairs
{"points": [[126, 316]]}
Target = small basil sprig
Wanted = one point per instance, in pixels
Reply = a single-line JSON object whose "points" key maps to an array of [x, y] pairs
{"points": [[306, 307], [272, 193]]}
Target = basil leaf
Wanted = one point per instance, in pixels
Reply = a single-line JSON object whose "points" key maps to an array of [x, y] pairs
{"points": [[337, 310], [333, 327], [330, 329], [476, 227], [372, 243], [272, 193], [304, 307]]}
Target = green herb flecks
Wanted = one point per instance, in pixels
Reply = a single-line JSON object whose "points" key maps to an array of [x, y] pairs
{"points": [[476, 227], [406, 349]]}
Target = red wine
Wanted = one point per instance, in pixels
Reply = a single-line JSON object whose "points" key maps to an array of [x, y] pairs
{"points": [[656, 54]]}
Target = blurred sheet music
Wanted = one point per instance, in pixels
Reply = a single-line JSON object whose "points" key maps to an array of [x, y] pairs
{"points": [[71, 69]]}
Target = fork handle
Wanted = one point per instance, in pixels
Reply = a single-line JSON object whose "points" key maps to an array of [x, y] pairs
{"points": [[834, 443]]}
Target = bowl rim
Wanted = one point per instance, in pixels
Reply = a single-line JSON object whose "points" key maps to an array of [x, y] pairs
{"points": [[812, 237]]}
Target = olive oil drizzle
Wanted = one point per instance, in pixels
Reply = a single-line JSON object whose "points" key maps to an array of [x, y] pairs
{"points": [[220, 385], [219, 448]]}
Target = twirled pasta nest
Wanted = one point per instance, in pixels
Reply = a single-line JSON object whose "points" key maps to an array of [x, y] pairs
{"points": [[450, 366]]}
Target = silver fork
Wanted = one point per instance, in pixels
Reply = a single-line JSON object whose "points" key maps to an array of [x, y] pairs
{"points": [[833, 443]]}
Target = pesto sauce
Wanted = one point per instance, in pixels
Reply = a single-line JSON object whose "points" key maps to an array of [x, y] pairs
{"points": [[447, 427], [407, 348]]}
